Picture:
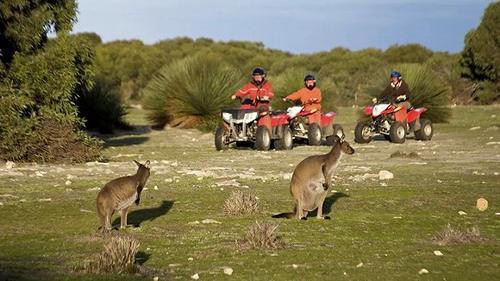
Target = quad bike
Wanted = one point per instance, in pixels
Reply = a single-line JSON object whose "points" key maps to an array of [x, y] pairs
{"points": [[313, 132], [393, 123], [246, 124]]}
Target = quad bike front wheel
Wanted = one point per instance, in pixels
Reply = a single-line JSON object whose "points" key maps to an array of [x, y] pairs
{"points": [[426, 130], [286, 141], [397, 132], [314, 134], [262, 138], [220, 138], [363, 133], [337, 131]]}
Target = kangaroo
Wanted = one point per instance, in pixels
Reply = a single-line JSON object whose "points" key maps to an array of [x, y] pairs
{"points": [[119, 194], [311, 180]]}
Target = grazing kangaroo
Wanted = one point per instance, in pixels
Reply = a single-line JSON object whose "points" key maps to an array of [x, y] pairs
{"points": [[119, 194], [311, 180]]}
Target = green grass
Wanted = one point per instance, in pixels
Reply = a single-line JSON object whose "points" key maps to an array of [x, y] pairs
{"points": [[387, 228]]}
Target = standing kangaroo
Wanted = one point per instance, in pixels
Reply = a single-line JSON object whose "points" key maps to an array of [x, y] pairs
{"points": [[119, 194], [311, 180]]}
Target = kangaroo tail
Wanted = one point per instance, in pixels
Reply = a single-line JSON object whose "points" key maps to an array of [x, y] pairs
{"points": [[288, 215]]}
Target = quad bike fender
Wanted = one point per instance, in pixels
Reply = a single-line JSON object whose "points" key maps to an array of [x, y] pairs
{"points": [[265, 120], [368, 110], [415, 113]]}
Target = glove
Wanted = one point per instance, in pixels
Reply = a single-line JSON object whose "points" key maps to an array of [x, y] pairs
{"points": [[233, 97], [374, 100], [401, 98], [264, 98]]}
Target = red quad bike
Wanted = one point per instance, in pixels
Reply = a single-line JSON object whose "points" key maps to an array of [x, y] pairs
{"points": [[313, 132], [246, 124], [391, 122]]}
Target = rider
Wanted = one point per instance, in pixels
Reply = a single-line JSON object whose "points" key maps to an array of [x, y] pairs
{"points": [[397, 91], [260, 92], [310, 97]]}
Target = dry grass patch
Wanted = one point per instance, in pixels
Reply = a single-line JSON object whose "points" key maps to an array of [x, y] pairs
{"points": [[262, 236], [118, 257], [241, 203], [450, 235]]}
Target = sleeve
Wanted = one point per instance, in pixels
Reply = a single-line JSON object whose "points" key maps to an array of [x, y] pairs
{"points": [[269, 91], [294, 96], [406, 91], [318, 97], [386, 92], [242, 92]]}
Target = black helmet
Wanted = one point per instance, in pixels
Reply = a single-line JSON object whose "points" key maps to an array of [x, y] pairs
{"points": [[309, 77], [258, 71]]}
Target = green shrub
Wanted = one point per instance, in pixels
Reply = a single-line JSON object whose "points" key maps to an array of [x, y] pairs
{"points": [[190, 92]]}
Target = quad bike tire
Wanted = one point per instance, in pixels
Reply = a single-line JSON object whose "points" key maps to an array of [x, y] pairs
{"points": [[337, 131], [262, 138], [397, 132], [426, 130], [286, 141], [314, 134], [362, 133], [220, 135]]}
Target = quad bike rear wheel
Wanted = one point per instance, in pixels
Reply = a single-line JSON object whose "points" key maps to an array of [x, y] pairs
{"points": [[220, 138], [314, 134], [426, 130], [286, 141], [262, 138], [337, 131], [362, 133], [397, 132]]}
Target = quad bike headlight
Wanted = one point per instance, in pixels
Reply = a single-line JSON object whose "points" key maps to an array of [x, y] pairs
{"points": [[227, 116]]}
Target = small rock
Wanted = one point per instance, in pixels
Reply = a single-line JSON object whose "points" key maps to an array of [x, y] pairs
{"points": [[475, 128], [39, 174], [70, 177], [398, 217], [1, 204], [497, 214], [195, 276], [45, 200], [439, 181], [206, 221], [438, 253], [155, 187], [423, 271], [383, 184], [190, 259], [9, 165], [496, 173], [295, 266], [462, 213], [482, 204], [228, 270], [493, 143], [194, 222], [22, 200], [85, 211], [156, 278], [385, 175], [68, 183], [359, 265]]}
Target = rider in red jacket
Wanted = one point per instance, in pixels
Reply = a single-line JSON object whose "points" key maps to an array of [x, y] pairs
{"points": [[259, 92]]}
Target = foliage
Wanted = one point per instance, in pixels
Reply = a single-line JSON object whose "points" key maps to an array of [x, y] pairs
{"points": [[40, 79], [189, 91], [481, 55]]}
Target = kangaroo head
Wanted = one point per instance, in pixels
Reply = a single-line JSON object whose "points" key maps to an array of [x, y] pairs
{"points": [[344, 145], [144, 169]]}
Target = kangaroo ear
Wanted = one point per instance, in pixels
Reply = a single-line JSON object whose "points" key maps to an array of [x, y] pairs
{"points": [[137, 163], [147, 164]]}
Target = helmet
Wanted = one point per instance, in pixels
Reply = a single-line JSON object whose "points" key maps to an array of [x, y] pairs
{"points": [[395, 73], [258, 71], [309, 77]]}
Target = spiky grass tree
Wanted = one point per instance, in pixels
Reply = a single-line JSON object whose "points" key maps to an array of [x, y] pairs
{"points": [[292, 80], [190, 92], [425, 88]]}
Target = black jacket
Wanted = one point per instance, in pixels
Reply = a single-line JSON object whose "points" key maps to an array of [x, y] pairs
{"points": [[391, 93]]}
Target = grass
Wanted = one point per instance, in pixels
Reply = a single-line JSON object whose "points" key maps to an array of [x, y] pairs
{"points": [[389, 226]]}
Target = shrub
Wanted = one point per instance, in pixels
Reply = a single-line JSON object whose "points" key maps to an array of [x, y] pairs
{"points": [[118, 257], [450, 235], [240, 203], [189, 91], [262, 236]]}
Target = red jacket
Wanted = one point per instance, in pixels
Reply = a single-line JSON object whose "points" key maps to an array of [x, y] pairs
{"points": [[256, 93]]}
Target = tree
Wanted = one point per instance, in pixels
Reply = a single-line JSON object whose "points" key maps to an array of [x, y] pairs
{"points": [[40, 79], [481, 55]]}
